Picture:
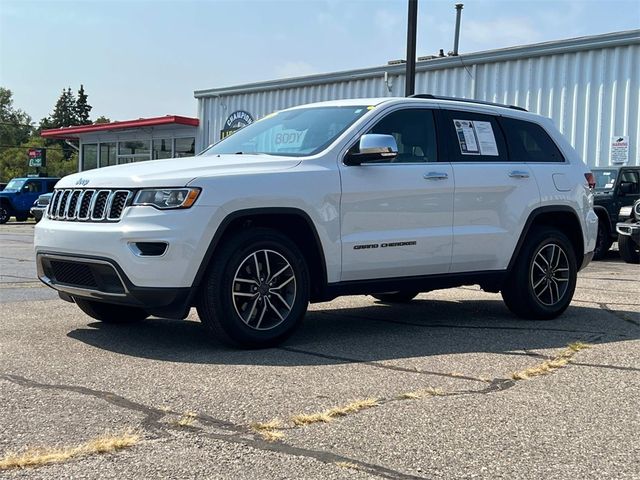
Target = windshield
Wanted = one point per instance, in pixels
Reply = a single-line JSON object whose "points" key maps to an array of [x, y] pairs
{"points": [[14, 185], [605, 179], [293, 133]]}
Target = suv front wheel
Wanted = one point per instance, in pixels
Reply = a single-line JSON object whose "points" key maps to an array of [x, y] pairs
{"points": [[256, 290], [542, 282], [5, 213]]}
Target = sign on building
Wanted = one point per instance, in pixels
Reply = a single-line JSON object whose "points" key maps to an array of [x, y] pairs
{"points": [[235, 121], [619, 150]]}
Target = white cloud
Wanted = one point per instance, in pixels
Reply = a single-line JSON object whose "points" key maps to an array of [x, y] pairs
{"points": [[501, 32], [294, 69]]}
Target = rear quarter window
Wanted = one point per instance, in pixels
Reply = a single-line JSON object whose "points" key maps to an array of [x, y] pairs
{"points": [[529, 142]]}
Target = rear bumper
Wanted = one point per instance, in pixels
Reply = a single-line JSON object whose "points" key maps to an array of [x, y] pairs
{"points": [[102, 279]]}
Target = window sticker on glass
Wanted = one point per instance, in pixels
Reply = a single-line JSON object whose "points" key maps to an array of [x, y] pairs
{"points": [[476, 138]]}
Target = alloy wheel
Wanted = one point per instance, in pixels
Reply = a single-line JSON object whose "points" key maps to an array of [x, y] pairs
{"points": [[549, 276], [264, 289]]}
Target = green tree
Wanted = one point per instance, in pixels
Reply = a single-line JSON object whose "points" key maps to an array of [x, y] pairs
{"points": [[64, 115], [83, 108], [102, 119], [65, 111], [15, 125], [14, 161]]}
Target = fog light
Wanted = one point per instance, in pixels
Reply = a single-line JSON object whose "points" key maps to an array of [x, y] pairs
{"points": [[149, 249]]}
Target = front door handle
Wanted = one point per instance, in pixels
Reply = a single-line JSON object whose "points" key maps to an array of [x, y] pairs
{"points": [[435, 176], [518, 174]]}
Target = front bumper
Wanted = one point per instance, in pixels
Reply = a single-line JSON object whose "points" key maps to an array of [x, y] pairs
{"points": [[187, 234], [629, 229], [38, 212], [101, 279]]}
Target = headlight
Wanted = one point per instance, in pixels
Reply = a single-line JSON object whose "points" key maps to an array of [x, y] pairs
{"points": [[166, 198]]}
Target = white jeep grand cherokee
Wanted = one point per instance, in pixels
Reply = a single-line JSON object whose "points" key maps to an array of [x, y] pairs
{"points": [[388, 197]]}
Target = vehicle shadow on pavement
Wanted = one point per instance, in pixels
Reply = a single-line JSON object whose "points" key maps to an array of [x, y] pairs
{"points": [[371, 333]]}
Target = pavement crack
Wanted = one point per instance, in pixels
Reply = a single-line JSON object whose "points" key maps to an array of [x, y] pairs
{"points": [[152, 415], [462, 327], [618, 314], [375, 364], [238, 434]]}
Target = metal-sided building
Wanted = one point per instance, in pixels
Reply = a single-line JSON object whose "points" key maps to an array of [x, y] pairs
{"points": [[590, 87]]}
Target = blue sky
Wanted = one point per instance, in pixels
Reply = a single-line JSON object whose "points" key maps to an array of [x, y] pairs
{"points": [[143, 58]]}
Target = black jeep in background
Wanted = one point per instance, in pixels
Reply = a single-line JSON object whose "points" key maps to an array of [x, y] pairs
{"points": [[616, 187]]}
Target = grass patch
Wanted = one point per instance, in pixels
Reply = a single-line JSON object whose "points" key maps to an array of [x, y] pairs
{"points": [[350, 465], [272, 435], [37, 457], [425, 392], [269, 431], [328, 415], [552, 364], [186, 420]]}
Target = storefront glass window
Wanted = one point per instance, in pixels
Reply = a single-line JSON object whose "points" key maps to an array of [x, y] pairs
{"points": [[135, 147], [185, 147], [107, 154], [161, 148], [89, 156]]}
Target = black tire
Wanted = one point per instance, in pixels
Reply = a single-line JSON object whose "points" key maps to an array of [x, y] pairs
{"points": [[604, 240], [22, 218], [5, 214], [253, 313], [111, 313], [395, 297], [524, 290], [629, 250]]}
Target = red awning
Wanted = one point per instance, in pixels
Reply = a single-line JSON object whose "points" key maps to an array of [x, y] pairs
{"points": [[74, 132]]}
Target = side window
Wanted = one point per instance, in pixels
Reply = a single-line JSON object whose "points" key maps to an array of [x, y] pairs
{"points": [[474, 137], [529, 142], [31, 187], [630, 179], [51, 185], [415, 134]]}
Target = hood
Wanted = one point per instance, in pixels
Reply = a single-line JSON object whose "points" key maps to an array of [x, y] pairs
{"points": [[175, 172]]}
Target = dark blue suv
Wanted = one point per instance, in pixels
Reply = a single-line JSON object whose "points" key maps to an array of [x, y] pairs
{"points": [[18, 196]]}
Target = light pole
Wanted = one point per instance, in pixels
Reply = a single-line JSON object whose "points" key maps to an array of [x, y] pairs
{"points": [[412, 27]]}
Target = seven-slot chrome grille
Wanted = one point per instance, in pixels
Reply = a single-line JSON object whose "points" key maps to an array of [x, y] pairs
{"points": [[89, 205]]}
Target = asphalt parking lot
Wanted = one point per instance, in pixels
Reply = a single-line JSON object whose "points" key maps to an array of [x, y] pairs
{"points": [[455, 387]]}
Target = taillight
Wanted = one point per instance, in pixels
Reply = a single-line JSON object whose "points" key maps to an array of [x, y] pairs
{"points": [[590, 180]]}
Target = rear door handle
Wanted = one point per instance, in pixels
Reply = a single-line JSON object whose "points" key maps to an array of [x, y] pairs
{"points": [[435, 176], [518, 174]]}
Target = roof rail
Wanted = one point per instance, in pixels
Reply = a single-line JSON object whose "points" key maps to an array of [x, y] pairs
{"points": [[430, 96]]}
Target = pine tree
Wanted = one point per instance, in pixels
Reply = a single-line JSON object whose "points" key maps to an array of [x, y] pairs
{"points": [[82, 107], [64, 113]]}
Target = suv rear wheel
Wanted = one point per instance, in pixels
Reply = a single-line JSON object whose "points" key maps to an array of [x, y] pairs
{"points": [[542, 282], [256, 291], [111, 313], [396, 297]]}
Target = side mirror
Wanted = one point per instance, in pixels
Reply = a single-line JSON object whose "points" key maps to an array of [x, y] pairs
{"points": [[625, 188], [371, 148]]}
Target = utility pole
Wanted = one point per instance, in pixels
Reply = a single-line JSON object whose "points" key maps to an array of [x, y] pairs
{"points": [[412, 27]]}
